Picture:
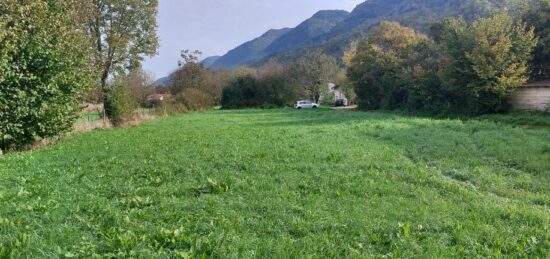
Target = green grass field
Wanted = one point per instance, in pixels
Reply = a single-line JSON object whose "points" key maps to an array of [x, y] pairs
{"points": [[285, 184]]}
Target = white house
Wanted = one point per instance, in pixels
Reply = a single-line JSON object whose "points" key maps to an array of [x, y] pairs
{"points": [[337, 92]]}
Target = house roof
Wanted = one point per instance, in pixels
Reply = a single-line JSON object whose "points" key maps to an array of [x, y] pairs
{"points": [[541, 83]]}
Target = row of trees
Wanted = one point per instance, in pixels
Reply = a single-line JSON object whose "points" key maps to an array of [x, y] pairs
{"points": [[276, 85], [272, 84], [52, 52], [462, 67], [459, 67]]}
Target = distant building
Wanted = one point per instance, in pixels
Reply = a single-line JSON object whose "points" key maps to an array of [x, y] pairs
{"points": [[533, 96], [336, 90], [157, 98]]}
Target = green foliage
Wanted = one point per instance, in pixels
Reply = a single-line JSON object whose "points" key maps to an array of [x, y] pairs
{"points": [[470, 68], [381, 69], [195, 100], [313, 72], [538, 16], [191, 75], [277, 91], [195, 87], [488, 60], [120, 105], [269, 86], [43, 69], [285, 184], [121, 33], [241, 92]]}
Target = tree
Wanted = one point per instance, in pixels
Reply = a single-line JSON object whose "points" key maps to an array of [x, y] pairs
{"points": [[241, 92], [488, 60], [121, 32], [190, 74], [270, 86], [43, 69], [195, 87], [121, 104], [538, 16], [140, 84], [381, 68], [188, 56], [313, 72]]}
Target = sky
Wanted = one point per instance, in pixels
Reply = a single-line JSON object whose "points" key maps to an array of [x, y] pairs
{"points": [[217, 26]]}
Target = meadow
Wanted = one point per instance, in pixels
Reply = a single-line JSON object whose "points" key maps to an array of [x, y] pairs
{"points": [[285, 184]]}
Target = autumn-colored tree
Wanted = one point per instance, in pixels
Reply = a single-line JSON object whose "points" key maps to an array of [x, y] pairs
{"points": [[380, 69], [488, 60]]}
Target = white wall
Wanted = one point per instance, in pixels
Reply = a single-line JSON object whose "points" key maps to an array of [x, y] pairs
{"points": [[532, 98]]}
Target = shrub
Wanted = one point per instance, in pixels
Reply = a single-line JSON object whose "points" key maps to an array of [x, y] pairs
{"points": [[43, 70], [329, 99], [120, 104], [267, 92], [194, 87], [195, 100], [241, 92], [171, 107], [276, 91]]}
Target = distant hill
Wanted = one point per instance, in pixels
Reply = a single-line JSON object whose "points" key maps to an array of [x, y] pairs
{"points": [[209, 61], [250, 51], [307, 32], [162, 81], [332, 31]]}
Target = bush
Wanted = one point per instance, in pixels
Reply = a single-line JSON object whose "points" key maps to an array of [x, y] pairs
{"points": [[328, 100], [120, 104], [171, 107], [43, 70], [267, 92], [195, 100], [241, 92], [276, 91]]}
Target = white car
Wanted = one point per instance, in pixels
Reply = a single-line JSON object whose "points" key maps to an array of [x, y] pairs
{"points": [[305, 105]]}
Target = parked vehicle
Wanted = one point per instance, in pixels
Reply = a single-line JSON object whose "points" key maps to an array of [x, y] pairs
{"points": [[305, 105], [341, 102]]}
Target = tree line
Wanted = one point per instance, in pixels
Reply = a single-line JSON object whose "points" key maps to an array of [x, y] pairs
{"points": [[458, 67]]}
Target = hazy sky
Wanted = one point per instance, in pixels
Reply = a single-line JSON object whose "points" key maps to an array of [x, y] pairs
{"points": [[217, 26]]}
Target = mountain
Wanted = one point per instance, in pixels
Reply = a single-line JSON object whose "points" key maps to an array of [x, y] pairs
{"points": [[419, 14], [333, 31], [282, 40], [249, 51], [162, 81], [209, 61], [306, 33]]}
